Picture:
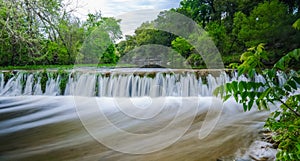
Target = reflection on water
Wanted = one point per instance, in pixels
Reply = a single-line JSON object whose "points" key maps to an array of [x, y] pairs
{"points": [[48, 128]]}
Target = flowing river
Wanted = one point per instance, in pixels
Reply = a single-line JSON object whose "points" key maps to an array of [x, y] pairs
{"points": [[114, 114]]}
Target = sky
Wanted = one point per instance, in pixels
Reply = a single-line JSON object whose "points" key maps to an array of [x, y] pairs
{"points": [[131, 12], [118, 7]]}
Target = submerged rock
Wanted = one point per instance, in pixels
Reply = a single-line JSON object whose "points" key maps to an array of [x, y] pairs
{"points": [[262, 151]]}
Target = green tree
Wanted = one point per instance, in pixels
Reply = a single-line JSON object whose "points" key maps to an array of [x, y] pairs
{"points": [[270, 23], [109, 56], [183, 47], [37, 32], [101, 34], [201, 11], [219, 35]]}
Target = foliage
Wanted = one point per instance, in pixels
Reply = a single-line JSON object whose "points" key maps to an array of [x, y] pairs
{"points": [[62, 67], [109, 56], [183, 47], [41, 32], [252, 59], [233, 25], [44, 78], [64, 77], [237, 25], [269, 22], [296, 25], [218, 34], [277, 88], [195, 60]]}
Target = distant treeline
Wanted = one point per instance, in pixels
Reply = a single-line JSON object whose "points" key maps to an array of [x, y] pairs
{"points": [[42, 32], [233, 25]]}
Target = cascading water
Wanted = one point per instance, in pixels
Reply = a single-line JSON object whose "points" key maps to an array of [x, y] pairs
{"points": [[42, 115], [115, 85]]}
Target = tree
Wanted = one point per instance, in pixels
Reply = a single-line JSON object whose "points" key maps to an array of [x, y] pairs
{"points": [[47, 32], [109, 56], [101, 34], [30, 28], [218, 34], [270, 23], [183, 47], [202, 11]]}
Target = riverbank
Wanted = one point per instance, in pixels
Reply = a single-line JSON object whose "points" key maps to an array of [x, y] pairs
{"points": [[42, 67], [263, 148]]}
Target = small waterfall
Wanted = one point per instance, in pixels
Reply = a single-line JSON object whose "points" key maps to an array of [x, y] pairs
{"points": [[115, 84], [1, 81], [14, 86], [28, 87], [38, 88]]}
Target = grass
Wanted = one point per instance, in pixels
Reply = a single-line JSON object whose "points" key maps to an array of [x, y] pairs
{"points": [[41, 67], [66, 67], [71, 66]]}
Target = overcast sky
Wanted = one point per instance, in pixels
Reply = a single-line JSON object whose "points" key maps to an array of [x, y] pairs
{"points": [[132, 12], [118, 7]]}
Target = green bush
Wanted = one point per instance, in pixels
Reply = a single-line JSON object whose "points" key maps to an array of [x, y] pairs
{"points": [[285, 121]]}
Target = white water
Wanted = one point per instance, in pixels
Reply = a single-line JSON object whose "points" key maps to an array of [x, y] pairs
{"points": [[48, 128], [117, 85], [37, 125]]}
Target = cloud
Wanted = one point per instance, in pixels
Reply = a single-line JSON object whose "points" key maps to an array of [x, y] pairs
{"points": [[132, 12], [117, 7], [131, 20]]}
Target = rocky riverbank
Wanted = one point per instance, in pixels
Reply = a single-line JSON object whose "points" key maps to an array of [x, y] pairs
{"points": [[262, 149]]}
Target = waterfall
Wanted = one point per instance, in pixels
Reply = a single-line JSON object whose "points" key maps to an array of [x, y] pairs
{"points": [[147, 102], [115, 84], [28, 86]]}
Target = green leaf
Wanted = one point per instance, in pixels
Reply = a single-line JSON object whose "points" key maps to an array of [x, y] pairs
{"points": [[228, 87], [264, 94], [297, 79], [235, 95], [276, 114], [241, 70], [234, 86], [292, 84], [233, 65], [248, 86], [251, 73], [281, 64], [241, 86], [251, 49], [216, 91], [258, 104], [298, 146], [287, 87], [227, 97], [271, 73], [264, 104], [296, 24], [250, 104], [244, 95], [245, 107], [252, 95]]}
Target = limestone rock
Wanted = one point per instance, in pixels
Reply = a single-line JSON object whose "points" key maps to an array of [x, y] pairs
{"points": [[262, 151]]}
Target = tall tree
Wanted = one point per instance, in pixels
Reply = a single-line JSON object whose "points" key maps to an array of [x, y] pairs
{"points": [[102, 33]]}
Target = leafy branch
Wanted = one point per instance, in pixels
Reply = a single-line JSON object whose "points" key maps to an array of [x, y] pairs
{"points": [[280, 85]]}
